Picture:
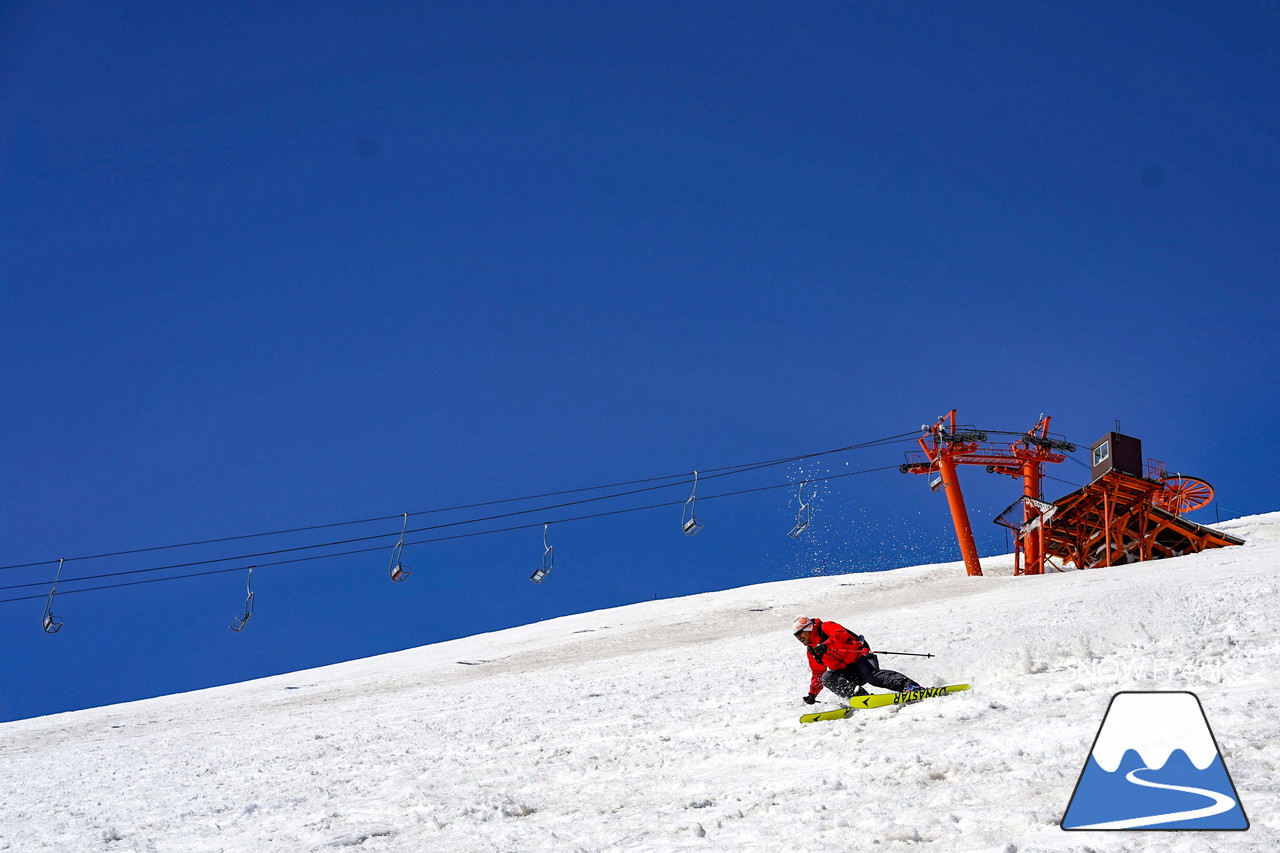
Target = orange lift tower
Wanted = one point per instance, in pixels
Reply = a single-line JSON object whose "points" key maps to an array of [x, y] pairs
{"points": [[945, 446]]}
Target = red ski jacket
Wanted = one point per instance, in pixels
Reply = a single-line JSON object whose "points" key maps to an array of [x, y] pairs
{"points": [[838, 648]]}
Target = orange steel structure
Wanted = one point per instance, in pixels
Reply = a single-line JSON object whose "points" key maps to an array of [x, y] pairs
{"points": [[945, 446], [1120, 518], [1123, 518]]}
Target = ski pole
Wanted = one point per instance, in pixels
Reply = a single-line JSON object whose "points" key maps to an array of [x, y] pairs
{"points": [[905, 654]]}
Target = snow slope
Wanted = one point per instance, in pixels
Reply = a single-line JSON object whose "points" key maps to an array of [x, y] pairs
{"points": [[672, 725]]}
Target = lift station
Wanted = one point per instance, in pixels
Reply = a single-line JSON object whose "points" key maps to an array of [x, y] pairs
{"points": [[1130, 511]]}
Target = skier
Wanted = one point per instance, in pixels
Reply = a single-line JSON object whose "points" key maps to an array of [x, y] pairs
{"points": [[842, 661]]}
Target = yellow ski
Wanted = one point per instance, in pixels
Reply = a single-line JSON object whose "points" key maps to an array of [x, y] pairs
{"points": [[880, 700]]}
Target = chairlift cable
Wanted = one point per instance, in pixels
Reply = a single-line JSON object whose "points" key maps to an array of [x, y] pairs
{"points": [[737, 469], [378, 536], [419, 542]]}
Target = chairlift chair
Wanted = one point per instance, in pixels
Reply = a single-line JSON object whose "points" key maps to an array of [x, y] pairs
{"points": [[548, 558], [803, 514], [240, 621], [688, 521], [52, 625], [398, 570]]}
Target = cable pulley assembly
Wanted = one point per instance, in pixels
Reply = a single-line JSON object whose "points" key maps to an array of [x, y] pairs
{"points": [[1045, 443]]}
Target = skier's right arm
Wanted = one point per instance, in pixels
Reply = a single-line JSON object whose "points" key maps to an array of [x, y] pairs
{"points": [[815, 682]]}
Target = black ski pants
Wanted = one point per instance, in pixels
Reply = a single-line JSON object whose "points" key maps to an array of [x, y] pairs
{"points": [[848, 682]]}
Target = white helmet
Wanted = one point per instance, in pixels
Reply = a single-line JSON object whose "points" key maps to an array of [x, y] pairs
{"points": [[802, 623]]}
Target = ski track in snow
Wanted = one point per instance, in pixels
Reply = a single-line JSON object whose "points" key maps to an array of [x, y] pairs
{"points": [[673, 725]]}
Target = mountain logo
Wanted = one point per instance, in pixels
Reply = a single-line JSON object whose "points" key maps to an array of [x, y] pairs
{"points": [[1155, 765]]}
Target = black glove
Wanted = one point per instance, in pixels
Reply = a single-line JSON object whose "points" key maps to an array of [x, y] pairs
{"points": [[810, 698], [818, 651]]}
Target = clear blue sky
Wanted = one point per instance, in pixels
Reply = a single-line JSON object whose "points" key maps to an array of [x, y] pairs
{"points": [[266, 266]]}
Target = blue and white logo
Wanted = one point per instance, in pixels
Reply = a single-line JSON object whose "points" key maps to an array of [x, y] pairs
{"points": [[1155, 765]]}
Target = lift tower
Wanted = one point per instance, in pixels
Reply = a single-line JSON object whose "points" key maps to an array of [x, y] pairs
{"points": [[945, 445]]}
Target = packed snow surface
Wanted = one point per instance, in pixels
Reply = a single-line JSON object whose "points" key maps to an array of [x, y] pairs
{"points": [[673, 725]]}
